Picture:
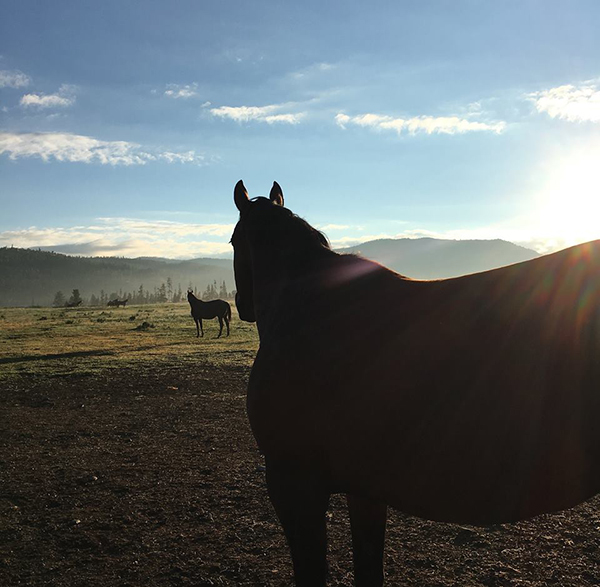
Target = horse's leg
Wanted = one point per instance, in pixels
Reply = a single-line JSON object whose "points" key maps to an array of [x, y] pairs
{"points": [[367, 519], [197, 328], [226, 323], [300, 500], [220, 326], [201, 329]]}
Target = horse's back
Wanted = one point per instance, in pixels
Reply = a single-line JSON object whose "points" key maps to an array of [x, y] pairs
{"points": [[210, 309], [474, 399]]}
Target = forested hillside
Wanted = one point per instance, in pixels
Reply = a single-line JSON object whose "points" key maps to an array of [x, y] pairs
{"points": [[31, 277]]}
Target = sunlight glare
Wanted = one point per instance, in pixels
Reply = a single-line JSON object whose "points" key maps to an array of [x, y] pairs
{"points": [[569, 207]]}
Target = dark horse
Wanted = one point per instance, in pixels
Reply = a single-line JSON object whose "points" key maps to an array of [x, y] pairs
{"points": [[214, 309], [116, 303], [476, 400]]}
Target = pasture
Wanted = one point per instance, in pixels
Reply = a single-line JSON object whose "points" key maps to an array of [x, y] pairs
{"points": [[126, 459]]}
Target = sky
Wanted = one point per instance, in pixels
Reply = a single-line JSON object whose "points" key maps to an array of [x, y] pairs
{"points": [[124, 126]]}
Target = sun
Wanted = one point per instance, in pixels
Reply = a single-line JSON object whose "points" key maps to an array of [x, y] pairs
{"points": [[569, 206]]}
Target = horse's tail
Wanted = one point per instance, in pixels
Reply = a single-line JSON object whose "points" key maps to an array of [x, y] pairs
{"points": [[228, 312]]}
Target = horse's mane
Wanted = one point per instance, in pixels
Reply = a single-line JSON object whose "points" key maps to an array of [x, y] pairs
{"points": [[312, 234], [286, 229]]}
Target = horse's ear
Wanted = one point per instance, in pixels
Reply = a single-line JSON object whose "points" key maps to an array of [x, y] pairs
{"points": [[276, 195], [240, 196]]}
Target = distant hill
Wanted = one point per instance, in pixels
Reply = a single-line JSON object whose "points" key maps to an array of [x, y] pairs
{"points": [[33, 276], [429, 258]]}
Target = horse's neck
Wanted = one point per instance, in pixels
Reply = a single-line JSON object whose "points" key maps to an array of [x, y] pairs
{"points": [[282, 288]]}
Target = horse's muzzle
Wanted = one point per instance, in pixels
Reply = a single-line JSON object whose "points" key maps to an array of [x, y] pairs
{"points": [[245, 311]]}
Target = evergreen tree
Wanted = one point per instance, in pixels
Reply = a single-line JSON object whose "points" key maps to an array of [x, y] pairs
{"points": [[178, 295], [210, 293], [75, 298], [161, 295], [169, 289], [59, 299]]}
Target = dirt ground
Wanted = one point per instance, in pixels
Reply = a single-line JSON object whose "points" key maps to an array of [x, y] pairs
{"points": [[152, 478]]}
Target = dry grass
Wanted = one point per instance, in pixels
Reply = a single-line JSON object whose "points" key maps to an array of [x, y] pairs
{"points": [[61, 341]]}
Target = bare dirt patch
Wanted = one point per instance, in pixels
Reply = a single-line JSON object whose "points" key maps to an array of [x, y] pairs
{"points": [[151, 477]]}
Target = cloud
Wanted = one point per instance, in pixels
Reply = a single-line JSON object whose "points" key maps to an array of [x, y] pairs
{"points": [[177, 91], [312, 70], [326, 227], [134, 237], [154, 227], [568, 102], [428, 124], [65, 97], [13, 79], [83, 149], [128, 237], [269, 114]]}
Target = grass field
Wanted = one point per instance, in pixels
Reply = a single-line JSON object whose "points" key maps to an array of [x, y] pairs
{"points": [[61, 341], [126, 460]]}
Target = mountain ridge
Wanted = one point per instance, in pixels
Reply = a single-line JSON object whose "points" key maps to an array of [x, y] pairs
{"points": [[29, 276], [431, 258]]}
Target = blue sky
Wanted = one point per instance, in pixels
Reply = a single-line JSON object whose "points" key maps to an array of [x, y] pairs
{"points": [[125, 125]]}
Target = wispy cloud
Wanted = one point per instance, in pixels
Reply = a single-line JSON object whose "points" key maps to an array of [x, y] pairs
{"points": [[147, 228], [419, 124], [326, 227], [63, 98], [128, 237], [83, 149], [270, 114], [133, 237], [311, 70], [13, 79], [568, 102], [177, 91]]}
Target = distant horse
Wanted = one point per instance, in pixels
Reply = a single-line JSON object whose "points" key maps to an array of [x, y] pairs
{"points": [[116, 302], [73, 304], [474, 400], [214, 309]]}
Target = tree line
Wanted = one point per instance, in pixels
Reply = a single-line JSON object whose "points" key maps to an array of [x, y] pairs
{"points": [[164, 293]]}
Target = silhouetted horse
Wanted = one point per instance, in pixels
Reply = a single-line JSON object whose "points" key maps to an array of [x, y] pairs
{"points": [[116, 302], [214, 309], [476, 400]]}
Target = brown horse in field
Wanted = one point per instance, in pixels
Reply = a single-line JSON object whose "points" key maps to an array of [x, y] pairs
{"points": [[476, 400], [219, 309]]}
